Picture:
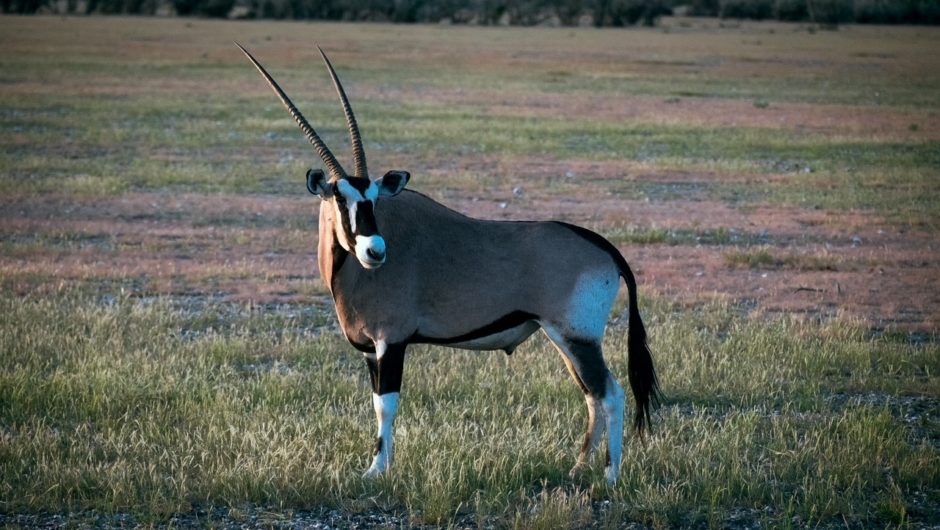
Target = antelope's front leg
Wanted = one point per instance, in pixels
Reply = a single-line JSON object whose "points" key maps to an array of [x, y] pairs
{"points": [[385, 369]]}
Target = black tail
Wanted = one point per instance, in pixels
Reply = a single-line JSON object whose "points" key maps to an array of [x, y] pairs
{"points": [[643, 381]]}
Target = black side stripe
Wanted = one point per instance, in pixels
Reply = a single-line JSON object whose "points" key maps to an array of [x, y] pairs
{"points": [[503, 323]]}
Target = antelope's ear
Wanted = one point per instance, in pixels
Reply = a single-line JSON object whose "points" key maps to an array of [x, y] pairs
{"points": [[317, 185], [392, 183]]}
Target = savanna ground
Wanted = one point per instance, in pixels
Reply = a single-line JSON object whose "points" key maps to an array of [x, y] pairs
{"points": [[169, 356]]}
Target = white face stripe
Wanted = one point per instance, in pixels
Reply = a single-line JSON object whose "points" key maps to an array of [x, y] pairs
{"points": [[350, 193], [372, 193], [352, 197], [338, 224], [352, 207], [355, 244]]}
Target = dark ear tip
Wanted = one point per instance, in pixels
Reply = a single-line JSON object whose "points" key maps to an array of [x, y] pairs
{"points": [[404, 175], [314, 180]]}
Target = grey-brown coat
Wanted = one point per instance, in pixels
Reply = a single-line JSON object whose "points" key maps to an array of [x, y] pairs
{"points": [[404, 269]]}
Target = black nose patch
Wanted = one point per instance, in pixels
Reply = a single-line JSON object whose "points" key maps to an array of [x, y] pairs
{"points": [[365, 219]]}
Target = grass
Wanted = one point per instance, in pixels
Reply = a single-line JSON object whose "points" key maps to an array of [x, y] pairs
{"points": [[148, 178], [192, 120], [115, 153], [652, 235], [765, 259], [152, 408]]}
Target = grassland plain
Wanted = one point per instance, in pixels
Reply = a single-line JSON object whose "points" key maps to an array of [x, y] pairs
{"points": [[169, 357]]}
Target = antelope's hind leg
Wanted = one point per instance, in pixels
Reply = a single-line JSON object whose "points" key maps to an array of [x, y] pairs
{"points": [[385, 371], [604, 397]]}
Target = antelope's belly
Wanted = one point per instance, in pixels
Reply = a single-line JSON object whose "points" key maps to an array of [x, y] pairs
{"points": [[506, 339]]}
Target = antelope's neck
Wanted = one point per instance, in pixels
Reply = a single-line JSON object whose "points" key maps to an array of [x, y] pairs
{"points": [[330, 254]]}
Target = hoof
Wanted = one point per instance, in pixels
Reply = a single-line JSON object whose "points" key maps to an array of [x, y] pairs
{"points": [[373, 472], [611, 474], [577, 471]]}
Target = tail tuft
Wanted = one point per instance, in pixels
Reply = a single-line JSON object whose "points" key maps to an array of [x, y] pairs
{"points": [[643, 380], [642, 374]]}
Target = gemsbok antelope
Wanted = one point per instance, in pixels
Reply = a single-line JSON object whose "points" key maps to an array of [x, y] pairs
{"points": [[435, 276]]}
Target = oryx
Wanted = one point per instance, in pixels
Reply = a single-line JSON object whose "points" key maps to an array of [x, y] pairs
{"points": [[435, 276]]}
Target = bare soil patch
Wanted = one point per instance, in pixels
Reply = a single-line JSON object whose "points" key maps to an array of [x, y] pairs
{"points": [[262, 248]]}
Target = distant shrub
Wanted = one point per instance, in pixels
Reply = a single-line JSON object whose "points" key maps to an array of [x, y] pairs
{"points": [[791, 10], [753, 9], [628, 12], [928, 12], [897, 11], [830, 11], [881, 11], [704, 8], [210, 8], [513, 12]]}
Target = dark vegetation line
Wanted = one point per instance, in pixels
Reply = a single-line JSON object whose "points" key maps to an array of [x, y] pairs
{"points": [[507, 12]]}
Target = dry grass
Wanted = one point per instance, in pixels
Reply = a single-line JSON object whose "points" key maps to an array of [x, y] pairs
{"points": [[166, 345]]}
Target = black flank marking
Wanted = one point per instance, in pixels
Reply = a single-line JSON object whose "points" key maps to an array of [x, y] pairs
{"points": [[589, 364], [378, 446], [390, 369], [503, 323]]}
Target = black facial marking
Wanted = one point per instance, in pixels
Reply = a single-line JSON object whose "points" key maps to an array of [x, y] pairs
{"points": [[365, 219], [365, 212], [503, 323], [344, 219], [360, 184]]}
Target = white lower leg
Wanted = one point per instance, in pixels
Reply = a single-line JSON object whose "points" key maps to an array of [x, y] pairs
{"points": [[385, 406], [613, 410]]}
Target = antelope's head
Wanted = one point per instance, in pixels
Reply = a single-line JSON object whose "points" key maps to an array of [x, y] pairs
{"points": [[353, 198]]}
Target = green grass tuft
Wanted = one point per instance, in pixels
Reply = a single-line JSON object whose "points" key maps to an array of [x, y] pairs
{"points": [[150, 407]]}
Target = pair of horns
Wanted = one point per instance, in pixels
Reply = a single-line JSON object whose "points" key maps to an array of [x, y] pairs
{"points": [[332, 165]]}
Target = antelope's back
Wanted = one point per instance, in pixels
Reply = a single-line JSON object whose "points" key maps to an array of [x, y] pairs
{"points": [[476, 270]]}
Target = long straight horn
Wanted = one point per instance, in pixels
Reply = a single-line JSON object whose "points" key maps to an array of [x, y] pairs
{"points": [[359, 155], [336, 171]]}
